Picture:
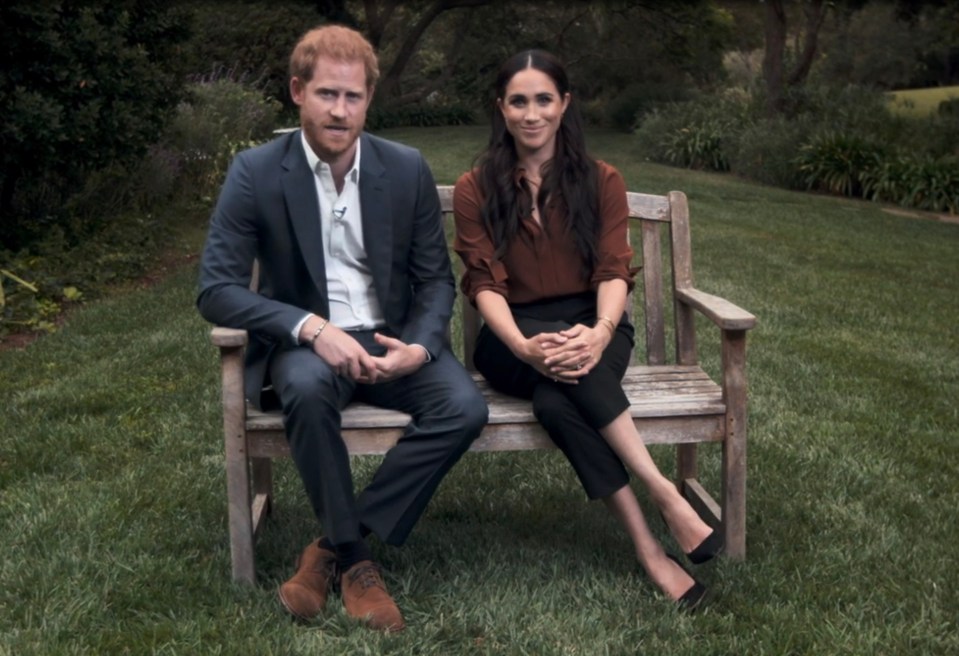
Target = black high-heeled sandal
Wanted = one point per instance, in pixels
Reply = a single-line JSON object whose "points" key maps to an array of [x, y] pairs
{"points": [[693, 597], [708, 549]]}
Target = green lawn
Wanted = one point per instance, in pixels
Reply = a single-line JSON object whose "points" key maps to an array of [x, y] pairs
{"points": [[112, 493], [920, 102]]}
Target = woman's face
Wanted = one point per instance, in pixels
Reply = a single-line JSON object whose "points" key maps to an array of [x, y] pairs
{"points": [[533, 108]]}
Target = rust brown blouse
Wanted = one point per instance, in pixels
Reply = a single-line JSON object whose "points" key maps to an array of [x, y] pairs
{"points": [[541, 263]]}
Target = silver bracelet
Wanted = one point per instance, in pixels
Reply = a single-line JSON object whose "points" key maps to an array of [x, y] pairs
{"points": [[316, 333]]}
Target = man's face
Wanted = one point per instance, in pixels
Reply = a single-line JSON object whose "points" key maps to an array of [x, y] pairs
{"points": [[333, 108]]}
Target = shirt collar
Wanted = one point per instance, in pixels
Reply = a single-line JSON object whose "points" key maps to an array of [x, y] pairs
{"points": [[314, 161]]}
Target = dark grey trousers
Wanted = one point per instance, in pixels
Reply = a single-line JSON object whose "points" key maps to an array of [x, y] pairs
{"points": [[448, 413]]}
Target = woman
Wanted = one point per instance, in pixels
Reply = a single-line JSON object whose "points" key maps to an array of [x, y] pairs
{"points": [[541, 229]]}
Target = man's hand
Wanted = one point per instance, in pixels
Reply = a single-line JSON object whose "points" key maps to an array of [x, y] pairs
{"points": [[400, 359], [343, 353]]}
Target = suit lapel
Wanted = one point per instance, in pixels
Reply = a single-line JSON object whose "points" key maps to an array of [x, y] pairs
{"points": [[303, 208], [377, 218]]}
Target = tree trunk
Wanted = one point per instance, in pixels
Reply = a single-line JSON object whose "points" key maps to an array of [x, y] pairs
{"points": [[775, 30], [773, 59], [390, 83], [814, 13], [378, 15]]}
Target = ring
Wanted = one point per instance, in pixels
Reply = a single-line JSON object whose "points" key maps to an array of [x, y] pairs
{"points": [[579, 366]]}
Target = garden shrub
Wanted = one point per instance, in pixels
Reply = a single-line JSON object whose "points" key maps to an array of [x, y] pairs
{"points": [[419, 115], [626, 109], [251, 40], [219, 117], [920, 181], [889, 180], [934, 185], [837, 162], [694, 134], [765, 151], [96, 78], [111, 229]]}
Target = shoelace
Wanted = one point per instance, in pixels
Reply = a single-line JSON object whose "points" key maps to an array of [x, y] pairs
{"points": [[369, 576]]}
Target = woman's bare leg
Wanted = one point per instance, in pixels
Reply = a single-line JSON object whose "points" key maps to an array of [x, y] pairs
{"points": [[666, 574], [686, 526]]}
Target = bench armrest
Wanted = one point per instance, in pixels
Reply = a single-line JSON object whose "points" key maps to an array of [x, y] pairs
{"points": [[228, 337], [718, 310]]}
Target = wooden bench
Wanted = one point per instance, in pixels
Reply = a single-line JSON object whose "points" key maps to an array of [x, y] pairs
{"points": [[671, 403]]}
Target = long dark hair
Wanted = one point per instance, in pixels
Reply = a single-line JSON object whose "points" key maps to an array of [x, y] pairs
{"points": [[570, 178]]}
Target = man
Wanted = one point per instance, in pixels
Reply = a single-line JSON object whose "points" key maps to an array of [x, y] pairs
{"points": [[355, 294]]}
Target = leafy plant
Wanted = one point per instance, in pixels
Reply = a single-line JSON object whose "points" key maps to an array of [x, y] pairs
{"points": [[421, 116], [17, 280], [934, 185], [836, 162], [889, 180], [96, 78], [695, 134], [218, 116]]}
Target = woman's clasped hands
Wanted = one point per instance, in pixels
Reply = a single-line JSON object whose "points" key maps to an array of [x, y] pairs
{"points": [[567, 355]]}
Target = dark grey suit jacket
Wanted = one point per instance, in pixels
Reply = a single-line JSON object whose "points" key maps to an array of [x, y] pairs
{"points": [[268, 210]]}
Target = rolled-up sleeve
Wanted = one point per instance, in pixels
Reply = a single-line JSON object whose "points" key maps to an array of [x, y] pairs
{"points": [[614, 254], [482, 270]]}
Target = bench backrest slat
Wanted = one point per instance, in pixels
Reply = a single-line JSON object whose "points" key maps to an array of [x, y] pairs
{"points": [[651, 212]]}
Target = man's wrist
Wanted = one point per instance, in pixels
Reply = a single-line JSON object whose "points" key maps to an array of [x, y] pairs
{"points": [[426, 352], [311, 329], [319, 330]]}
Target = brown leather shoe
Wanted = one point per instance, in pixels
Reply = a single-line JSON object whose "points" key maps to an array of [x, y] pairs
{"points": [[365, 598], [304, 595]]}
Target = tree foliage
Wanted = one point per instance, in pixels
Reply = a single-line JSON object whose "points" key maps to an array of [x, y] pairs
{"points": [[82, 85]]}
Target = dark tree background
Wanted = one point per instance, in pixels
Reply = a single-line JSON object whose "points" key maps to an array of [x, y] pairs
{"points": [[92, 84], [82, 85]]}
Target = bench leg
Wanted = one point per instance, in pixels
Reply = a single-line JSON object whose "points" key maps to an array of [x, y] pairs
{"points": [[241, 519], [686, 466], [734, 446], [237, 467], [262, 469]]}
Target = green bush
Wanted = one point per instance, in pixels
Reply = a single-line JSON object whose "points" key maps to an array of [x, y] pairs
{"points": [[625, 111], [837, 162], [218, 117], [934, 185], [420, 116], [855, 166], [923, 182], [59, 271], [96, 78], [889, 180], [251, 40], [110, 230], [695, 134], [765, 151]]}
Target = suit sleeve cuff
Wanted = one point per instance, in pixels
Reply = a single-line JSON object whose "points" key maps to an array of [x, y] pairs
{"points": [[429, 356], [299, 325]]}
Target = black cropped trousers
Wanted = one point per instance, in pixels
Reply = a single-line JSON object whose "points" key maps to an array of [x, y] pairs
{"points": [[571, 414]]}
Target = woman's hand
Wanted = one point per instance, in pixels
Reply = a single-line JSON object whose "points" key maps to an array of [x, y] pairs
{"points": [[579, 352], [535, 351]]}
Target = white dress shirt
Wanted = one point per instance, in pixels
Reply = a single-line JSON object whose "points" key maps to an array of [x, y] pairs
{"points": [[354, 304], [349, 281]]}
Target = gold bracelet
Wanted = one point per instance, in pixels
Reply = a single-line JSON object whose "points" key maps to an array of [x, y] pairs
{"points": [[316, 333], [612, 326]]}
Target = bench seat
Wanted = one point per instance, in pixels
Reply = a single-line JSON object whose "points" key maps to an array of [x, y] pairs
{"points": [[659, 396]]}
